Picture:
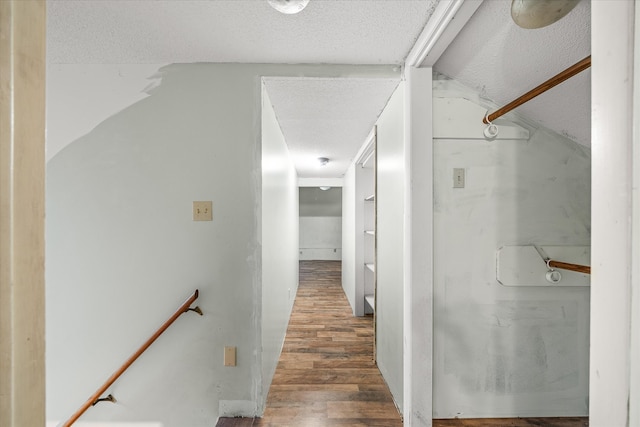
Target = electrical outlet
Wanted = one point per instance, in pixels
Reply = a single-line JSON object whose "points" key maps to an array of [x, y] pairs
{"points": [[458, 178], [202, 211]]}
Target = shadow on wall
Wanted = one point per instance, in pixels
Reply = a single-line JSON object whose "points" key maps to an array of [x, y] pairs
{"points": [[507, 351], [123, 251]]}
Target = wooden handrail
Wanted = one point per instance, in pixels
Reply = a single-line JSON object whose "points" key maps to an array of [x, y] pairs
{"points": [[553, 81], [95, 396], [569, 266]]}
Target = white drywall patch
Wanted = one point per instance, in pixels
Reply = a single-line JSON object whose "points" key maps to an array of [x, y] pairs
{"points": [[81, 97], [504, 351]]}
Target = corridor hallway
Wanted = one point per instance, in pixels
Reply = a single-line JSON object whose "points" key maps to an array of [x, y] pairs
{"points": [[326, 375]]}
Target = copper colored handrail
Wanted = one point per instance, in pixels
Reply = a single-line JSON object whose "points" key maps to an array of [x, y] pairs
{"points": [[569, 266], [95, 397], [553, 81]]}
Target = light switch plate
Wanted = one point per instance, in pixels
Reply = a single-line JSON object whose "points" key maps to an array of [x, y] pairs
{"points": [[458, 178], [229, 356], [202, 211]]}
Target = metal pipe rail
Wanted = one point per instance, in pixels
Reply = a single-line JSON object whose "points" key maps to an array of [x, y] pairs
{"points": [[95, 397]]}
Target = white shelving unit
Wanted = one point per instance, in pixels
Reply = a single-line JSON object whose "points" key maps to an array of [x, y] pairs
{"points": [[369, 222], [364, 302]]}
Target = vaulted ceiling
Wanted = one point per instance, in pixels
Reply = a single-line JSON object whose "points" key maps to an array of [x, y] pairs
{"points": [[491, 55], [502, 61]]}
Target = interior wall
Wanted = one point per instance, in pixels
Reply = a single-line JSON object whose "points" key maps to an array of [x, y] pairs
{"points": [[321, 238], [350, 240], [507, 351], [279, 241], [320, 223], [123, 252], [418, 248], [615, 374], [390, 244]]}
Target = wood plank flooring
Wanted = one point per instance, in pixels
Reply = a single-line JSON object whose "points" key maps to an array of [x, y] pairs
{"points": [[326, 375]]}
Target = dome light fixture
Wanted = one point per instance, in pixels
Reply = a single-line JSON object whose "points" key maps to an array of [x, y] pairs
{"points": [[323, 161], [324, 188], [531, 14], [288, 7]]}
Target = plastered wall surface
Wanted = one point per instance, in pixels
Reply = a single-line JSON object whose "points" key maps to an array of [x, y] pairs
{"points": [[390, 244], [123, 251], [350, 241], [321, 237], [279, 241], [508, 351], [92, 102]]}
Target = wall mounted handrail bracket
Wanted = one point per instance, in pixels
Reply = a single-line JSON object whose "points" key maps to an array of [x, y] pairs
{"points": [[109, 398], [540, 89], [95, 397], [551, 263]]}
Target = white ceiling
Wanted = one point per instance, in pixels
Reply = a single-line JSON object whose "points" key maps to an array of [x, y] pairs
{"points": [[332, 117], [503, 61], [249, 31], [327, 118], [319, 117]]}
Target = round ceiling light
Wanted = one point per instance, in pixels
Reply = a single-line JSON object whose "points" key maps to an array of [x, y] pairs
{"points": [[533, 14], [288, 7], [323, 161]]}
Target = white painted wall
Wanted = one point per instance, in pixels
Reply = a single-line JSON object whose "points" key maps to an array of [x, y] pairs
{"points": [[418, 247], [100, 91], [506, 351], [321, 238], [390, 243], [123, 251], [614, 353], [279, 241], [351, 243], [634, 392]]}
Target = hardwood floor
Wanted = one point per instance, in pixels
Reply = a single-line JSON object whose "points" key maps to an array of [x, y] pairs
{"points": [[326, 375]]}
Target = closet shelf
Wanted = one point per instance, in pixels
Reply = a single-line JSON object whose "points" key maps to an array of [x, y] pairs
{"points": [[370, 198], [370, 299], [371, 267]]}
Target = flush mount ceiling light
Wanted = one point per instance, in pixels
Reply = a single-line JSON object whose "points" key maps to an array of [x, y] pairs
{"points": [[324, 188], [532, 14], [323, 161], [288, 7]]}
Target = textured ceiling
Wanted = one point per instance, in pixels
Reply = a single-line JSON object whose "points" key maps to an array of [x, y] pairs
{"points": [[327, 118], [331, 117], [502, 61], [318, 117], [170, 31]]}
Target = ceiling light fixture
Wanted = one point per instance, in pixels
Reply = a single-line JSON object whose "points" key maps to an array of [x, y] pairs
{"points": [[324, 188], [288, 7], [323, 161], [533, 14]]}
